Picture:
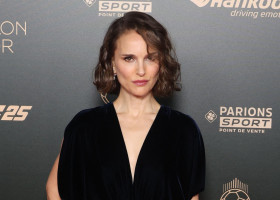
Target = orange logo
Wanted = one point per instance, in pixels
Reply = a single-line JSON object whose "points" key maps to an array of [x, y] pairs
{"points": [[14, 112]]}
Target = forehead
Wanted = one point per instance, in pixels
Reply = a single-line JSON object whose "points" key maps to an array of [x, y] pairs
{"points": [[133, 42]]}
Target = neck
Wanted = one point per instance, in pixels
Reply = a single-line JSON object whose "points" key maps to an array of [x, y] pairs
{"points": [[133, 105]]}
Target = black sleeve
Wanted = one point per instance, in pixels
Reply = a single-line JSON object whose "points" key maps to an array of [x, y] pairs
{"points": [[191, 159], [71, 161]]}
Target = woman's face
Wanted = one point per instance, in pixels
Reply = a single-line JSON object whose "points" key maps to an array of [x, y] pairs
{"points": [[136, 69]]}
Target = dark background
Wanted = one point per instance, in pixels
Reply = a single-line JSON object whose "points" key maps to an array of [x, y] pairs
{"points": [[226, 60]]}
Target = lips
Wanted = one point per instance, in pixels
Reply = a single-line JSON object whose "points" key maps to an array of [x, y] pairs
{"points": [[140, 82]]}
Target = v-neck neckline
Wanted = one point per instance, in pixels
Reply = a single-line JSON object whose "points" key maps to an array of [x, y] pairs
{"points": [[116, 119]]}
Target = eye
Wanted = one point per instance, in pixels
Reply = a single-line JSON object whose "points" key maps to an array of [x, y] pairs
{"points": [[128, 58], [149, 58], [152, 57]]}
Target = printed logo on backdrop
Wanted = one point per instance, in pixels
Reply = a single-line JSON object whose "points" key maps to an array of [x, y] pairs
{"points": [[14, 112], [235, 190], [242, 119], [245, 8], [117, 8], [10, 29], [89, 3]]}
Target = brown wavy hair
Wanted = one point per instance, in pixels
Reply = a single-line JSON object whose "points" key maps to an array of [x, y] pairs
{"points": [[156, 37]]}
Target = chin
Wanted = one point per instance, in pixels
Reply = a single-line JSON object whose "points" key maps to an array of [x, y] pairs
{"points": [[139, 93]]}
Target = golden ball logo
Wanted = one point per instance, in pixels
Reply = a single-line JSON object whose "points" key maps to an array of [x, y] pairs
{"points": [[235, 190], [235, 194]]}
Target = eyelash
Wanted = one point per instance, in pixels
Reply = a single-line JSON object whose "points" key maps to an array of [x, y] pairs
{"points": [[130, 58], [151, 58]]}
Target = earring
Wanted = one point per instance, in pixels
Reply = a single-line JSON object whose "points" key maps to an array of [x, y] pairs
{"points": [[114, 71], [104, 98]]}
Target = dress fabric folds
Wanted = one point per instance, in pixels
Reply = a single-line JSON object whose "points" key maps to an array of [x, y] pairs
{"points": [[94, 163]]}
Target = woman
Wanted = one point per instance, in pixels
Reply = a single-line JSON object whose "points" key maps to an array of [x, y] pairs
{"points": [[133, 148]]}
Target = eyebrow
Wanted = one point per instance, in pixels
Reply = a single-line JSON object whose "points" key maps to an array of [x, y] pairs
{"points": [[153, 54], [150, 54], [124, 55]]}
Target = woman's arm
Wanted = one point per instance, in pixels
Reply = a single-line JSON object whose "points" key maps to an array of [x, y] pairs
{"points": [[51, 186], [196, 197]]}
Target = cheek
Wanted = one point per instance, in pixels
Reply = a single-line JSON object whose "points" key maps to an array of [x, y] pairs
{"points": [[154, 71], [124, 71]]}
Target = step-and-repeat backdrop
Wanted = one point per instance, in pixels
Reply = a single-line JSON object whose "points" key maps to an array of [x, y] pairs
{"points": [[229, 51]]}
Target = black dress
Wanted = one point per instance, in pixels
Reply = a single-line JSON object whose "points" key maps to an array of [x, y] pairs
{"points": [[94, 163]]}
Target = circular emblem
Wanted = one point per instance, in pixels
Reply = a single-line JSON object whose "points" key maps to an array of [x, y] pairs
{"points": [[235, 194]]}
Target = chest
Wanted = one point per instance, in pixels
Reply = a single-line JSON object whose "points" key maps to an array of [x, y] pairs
{"points": [[134, 133], [133, 150]]}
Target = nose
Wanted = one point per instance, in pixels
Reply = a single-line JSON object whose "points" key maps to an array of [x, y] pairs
{"points": [[140, 69]]}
